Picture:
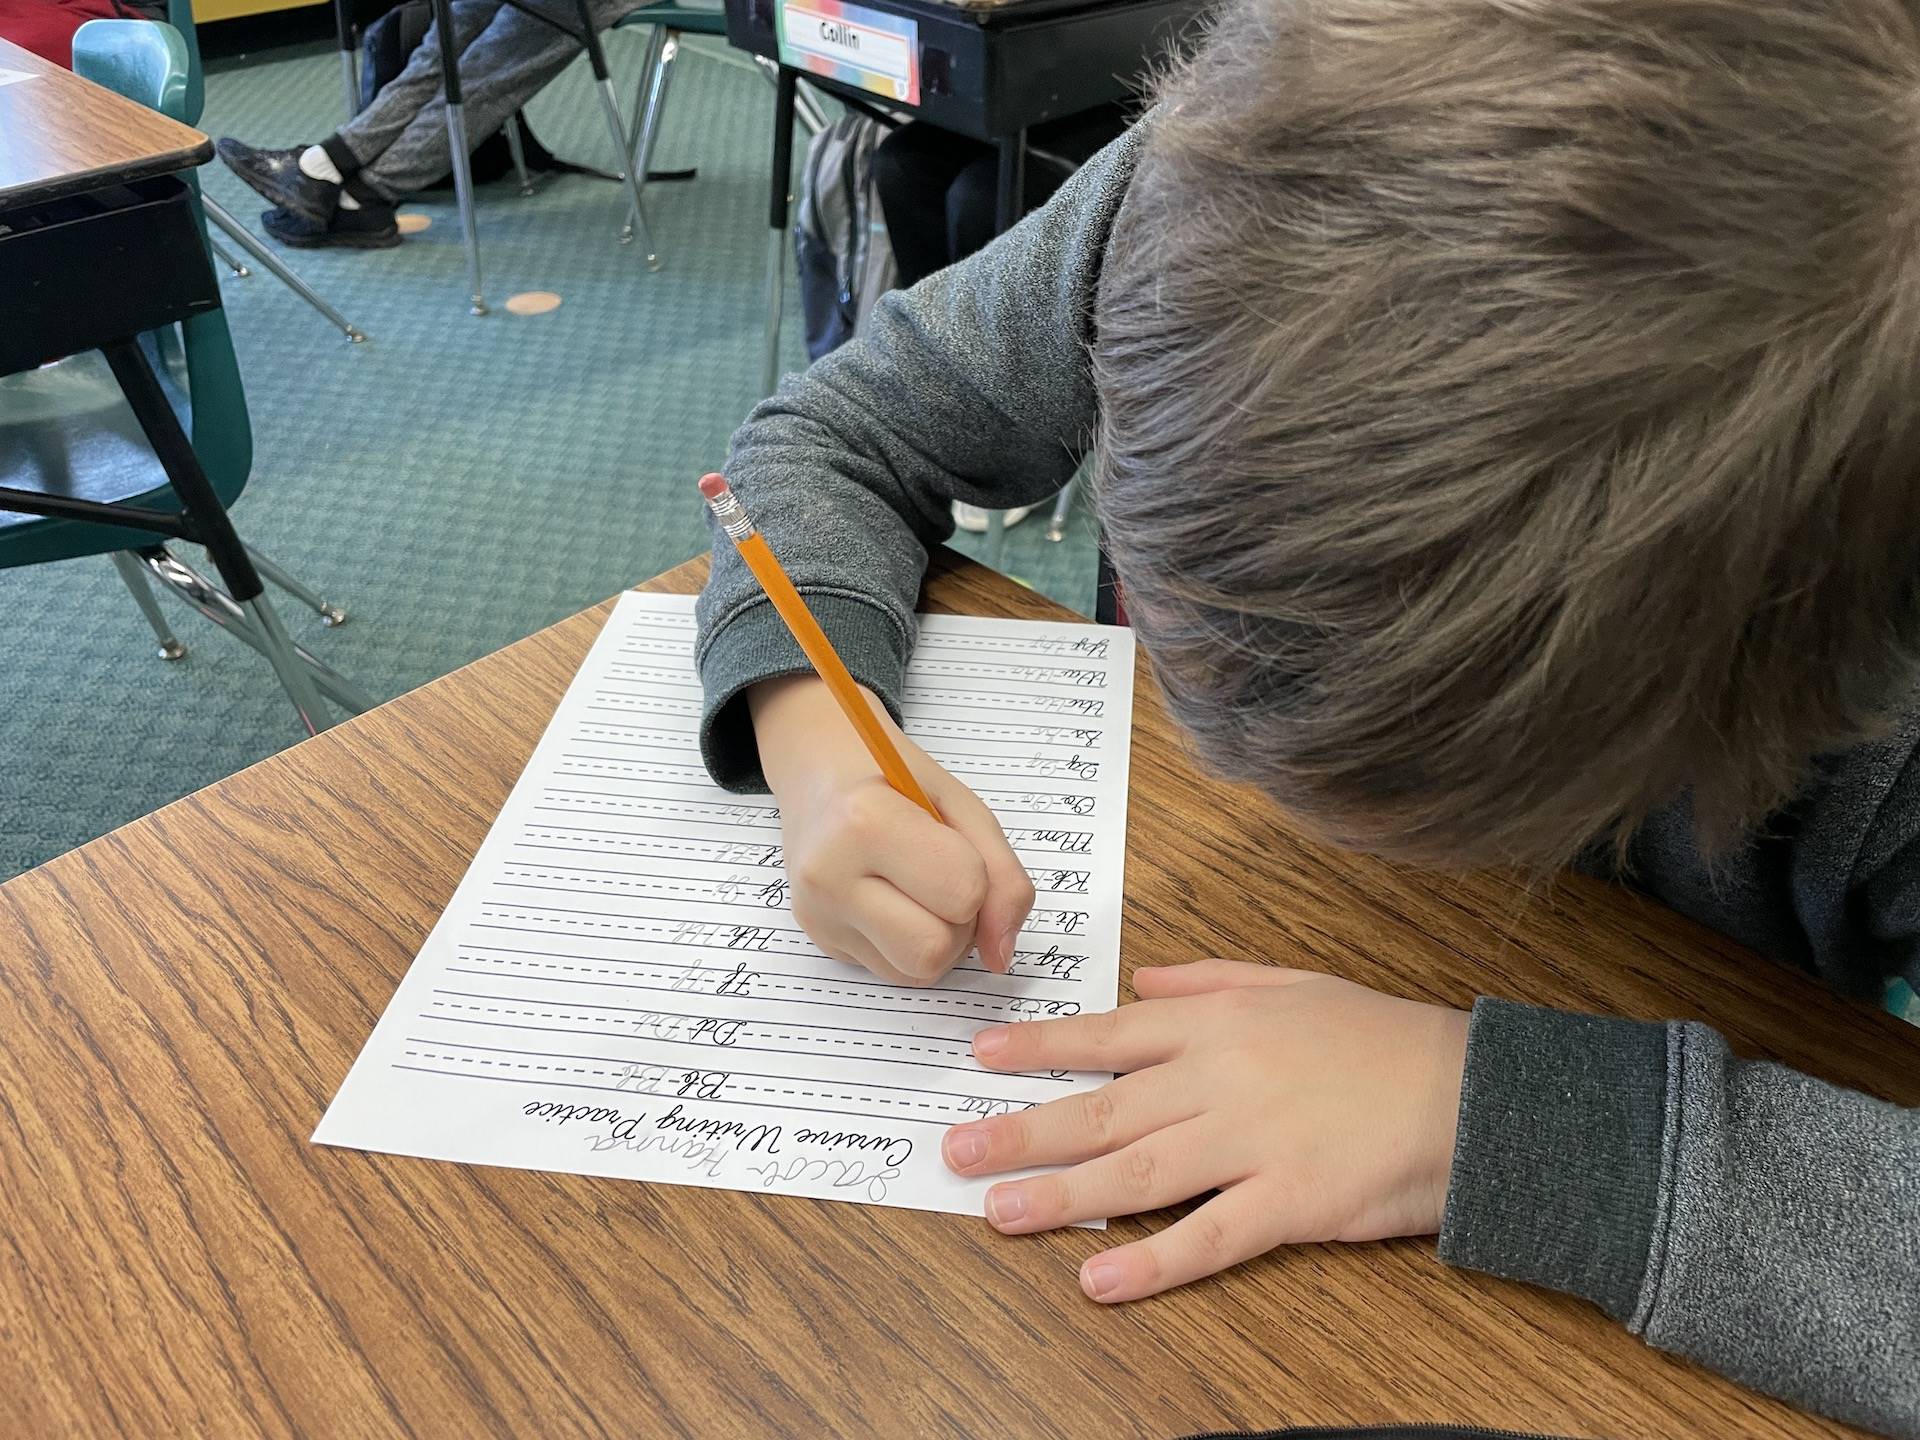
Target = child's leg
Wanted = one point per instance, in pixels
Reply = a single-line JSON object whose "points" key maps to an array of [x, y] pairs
{"points": [[912, 170], [506, 65]]}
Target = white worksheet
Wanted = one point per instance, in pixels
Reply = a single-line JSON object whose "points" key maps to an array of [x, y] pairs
{"points": [[618, 986]]}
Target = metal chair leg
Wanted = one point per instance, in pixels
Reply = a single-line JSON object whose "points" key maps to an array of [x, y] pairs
{"points": [[806, 109], [463, 189], [519, 153], [661, 51], [1057, 526], [274, 265], [330, 614], [617, 129], [169, 647], [243, 622], [994, 553], [240, 271]]}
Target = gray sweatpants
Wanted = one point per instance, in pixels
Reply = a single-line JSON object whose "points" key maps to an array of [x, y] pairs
{"points": [[506, 57]]}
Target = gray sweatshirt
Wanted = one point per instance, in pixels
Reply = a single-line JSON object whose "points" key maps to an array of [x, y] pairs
{"points": [[1739, 1213]]}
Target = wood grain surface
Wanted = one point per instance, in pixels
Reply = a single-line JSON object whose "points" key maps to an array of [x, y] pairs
{"points": [[179, 1000], [60, 135]]}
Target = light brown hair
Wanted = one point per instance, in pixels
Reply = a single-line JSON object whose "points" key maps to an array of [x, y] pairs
{"points": [[1508, 407]]}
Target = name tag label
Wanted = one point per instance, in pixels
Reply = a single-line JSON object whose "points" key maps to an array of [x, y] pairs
{"points": [[854, 45]]}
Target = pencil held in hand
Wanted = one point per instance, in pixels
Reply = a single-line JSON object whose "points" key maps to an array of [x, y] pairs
{"points": [[812, 639]]}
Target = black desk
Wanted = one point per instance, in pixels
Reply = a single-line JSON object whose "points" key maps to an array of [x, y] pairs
{"points": [[988, 71]]}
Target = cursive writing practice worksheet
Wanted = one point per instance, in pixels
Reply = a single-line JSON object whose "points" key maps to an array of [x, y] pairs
{"points": [[618, 986]]}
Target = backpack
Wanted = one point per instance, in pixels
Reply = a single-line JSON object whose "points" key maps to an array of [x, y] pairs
{"points": [[840, 243]]}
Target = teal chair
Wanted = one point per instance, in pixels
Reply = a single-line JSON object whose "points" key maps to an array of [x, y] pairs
{"points": [[670, 21], [67, 432]]}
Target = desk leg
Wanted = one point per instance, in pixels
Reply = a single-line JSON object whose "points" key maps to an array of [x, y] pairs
{"points": [[1009, 199], [1011, 191], [462, 160], [211, 525], [777, 221], [603, 82], [349, 57]]}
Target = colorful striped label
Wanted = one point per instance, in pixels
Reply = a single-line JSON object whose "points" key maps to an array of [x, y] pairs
{"points": [[854, 45]]}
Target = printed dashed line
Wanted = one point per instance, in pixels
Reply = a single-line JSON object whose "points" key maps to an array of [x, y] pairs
{"points": [[656, 884], [747, 1027], [626, 1073], [758, 984]]}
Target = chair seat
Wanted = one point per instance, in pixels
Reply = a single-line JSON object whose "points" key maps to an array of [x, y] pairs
{"points": [[687, 19], [65, 429]]}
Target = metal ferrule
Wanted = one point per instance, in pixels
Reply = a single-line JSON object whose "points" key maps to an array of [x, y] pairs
{"points": [[732, 516]]}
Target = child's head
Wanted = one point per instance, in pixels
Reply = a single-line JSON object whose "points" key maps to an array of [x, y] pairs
{"points": [[1509, 406]]}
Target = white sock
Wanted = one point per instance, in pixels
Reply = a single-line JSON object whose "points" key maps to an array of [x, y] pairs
{"points": [[316, 164]]}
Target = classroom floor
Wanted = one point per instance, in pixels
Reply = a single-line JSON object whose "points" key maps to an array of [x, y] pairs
{"points": [[457, 483]]}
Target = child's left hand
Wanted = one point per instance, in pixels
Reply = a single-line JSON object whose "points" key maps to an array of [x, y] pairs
{"points": [[1320, 1110]]}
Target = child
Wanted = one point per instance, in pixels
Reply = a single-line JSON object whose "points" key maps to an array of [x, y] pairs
{"points": [[342, 192], [1504, 438]]}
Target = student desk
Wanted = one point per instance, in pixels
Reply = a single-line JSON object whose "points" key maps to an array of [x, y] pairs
{"points": [[61, 135], [180, 998], [988, 69]]}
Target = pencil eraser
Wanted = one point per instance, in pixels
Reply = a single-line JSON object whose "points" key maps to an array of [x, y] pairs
{"points": [[713, 486]]}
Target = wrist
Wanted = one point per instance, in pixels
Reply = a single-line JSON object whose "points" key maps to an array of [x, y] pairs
{"points": [[1441, 1126], [802, 735]]}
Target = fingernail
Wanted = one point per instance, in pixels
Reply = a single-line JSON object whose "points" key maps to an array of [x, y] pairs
{"points": [[1100, 1279], [965, 1147], [1006, 1207], [1009, 938], [989, 1042]]}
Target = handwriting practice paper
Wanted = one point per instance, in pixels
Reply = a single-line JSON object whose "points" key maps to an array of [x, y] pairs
{"points": [[618, 986]]}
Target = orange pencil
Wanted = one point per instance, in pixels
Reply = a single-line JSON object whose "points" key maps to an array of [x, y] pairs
{"points": [[812, 639]]}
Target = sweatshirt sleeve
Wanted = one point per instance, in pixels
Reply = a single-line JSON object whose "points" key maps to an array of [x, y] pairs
{"points": [[974, 385], [1732, 1211]]}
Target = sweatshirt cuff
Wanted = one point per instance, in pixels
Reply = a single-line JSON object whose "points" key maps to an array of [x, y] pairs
{"points": [[754, 644], [1557, 1165]]}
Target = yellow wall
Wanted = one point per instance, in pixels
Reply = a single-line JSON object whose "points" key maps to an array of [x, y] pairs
{"points": [[207, 10]]}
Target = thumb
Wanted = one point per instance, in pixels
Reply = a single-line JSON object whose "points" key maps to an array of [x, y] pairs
{"points": [[1009, 896], [1157, 982]]}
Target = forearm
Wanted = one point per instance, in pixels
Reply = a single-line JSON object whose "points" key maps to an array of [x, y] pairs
{"points": [[1738, 1213], [974, 385]]}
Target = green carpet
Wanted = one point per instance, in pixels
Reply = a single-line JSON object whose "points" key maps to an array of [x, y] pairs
{"points": [[457, 483]]}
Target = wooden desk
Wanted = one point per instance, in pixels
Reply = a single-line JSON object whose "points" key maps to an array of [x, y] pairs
{"points": [[179, 1000], [60, 135]]}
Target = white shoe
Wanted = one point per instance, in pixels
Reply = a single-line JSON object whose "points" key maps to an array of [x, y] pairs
{"points": [[973, 518]]}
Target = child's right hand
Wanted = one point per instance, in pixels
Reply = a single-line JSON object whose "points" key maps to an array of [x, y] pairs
{"points": [[875, 880]]}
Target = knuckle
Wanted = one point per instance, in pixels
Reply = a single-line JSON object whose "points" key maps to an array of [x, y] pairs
{"points": [[1207, 1238], [970, 885], [1021, 889], [1010, 1137], [1103, 1028], [809, 870], [1096, 1119], [1149, 1270], [924, 956], [1138, 1170]]}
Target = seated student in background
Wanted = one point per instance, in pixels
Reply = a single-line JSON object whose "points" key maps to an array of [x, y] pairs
{"points": [[1505, 441], [342, 191]]}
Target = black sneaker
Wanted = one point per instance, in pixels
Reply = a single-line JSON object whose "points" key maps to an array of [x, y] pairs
{"points": [[276, 175], [371, 227]]}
